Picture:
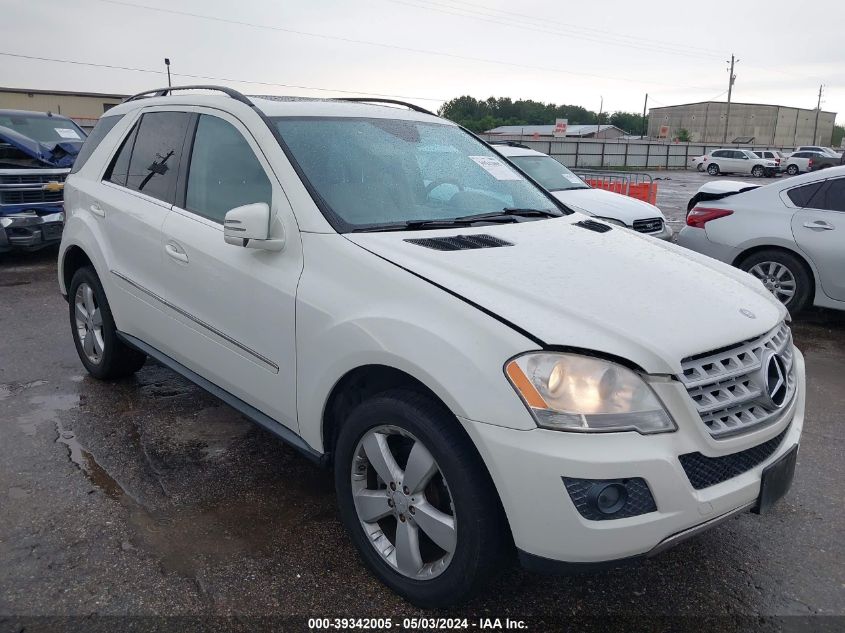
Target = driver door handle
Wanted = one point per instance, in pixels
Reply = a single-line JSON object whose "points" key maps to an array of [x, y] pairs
{"points": [[819, 224], [176, 252], [96, 209]]}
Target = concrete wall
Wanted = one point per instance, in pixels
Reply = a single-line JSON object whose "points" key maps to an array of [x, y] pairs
{"points": [[83, 109], [772, 125]]}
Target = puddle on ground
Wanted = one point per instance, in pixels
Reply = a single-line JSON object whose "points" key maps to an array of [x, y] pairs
{"points": [[45, 409], [14, 388], [95, 473]]}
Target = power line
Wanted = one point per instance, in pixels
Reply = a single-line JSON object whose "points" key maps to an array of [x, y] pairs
{"points": [[208, 77], [431, 5], [393, 46], [603, 32]]}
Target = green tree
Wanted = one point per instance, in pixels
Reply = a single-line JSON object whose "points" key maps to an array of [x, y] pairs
{"points": [[683, 135], [838, 134], [481, 115]]}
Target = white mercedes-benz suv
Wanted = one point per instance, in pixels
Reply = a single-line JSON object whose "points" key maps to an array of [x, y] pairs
{"points": [[484, 369]]}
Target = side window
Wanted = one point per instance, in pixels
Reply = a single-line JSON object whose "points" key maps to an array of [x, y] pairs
{"points": [[224, 172], [803, 196], [719, 154], [119, 168], [103, 127], [154, 164], [833, 197]]}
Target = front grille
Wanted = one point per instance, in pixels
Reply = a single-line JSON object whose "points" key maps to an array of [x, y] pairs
{"points": [[31, 179], [728, 386], [29, 196], [652, 225], [639, 499], [703, 471]]}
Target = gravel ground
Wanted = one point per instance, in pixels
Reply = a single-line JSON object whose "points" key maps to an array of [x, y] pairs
{"points": [[147, 497]]}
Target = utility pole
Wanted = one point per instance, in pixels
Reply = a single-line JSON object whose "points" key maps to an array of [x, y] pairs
{"points": [[818, 109], [645, 125], [731, 80], [167, 63], [598, 121]]}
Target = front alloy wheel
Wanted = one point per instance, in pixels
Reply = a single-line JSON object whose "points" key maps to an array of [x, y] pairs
{"points": [[407, 513]]}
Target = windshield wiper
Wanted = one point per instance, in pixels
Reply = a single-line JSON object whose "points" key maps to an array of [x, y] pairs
{"points": [[505, 216]]}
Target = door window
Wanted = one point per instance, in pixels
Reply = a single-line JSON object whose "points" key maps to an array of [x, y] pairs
{"points": [[833, 196], [155, 156], [224, 172]]}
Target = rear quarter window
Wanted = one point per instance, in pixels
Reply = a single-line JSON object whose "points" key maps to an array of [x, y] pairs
{"points": [[803, 196], [100, 131]]}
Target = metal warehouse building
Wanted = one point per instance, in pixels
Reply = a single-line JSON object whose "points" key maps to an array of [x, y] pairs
{"points": [[83, 107], [774, 125]]}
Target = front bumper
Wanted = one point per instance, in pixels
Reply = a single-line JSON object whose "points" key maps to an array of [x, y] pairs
{"points": [[30, 231], [527, 468]]}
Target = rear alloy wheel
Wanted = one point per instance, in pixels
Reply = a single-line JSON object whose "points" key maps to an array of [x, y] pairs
{"points": [[416, 499], [792, 170], [713, 169], [700, 166], [758, 171], [783, 275], [104, 355]]}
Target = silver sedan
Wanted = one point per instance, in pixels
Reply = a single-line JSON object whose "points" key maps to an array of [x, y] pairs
{"points": [[789, 234]]}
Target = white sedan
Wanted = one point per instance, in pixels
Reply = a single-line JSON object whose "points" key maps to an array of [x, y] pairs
{"points": [[578, 195], [789, 234]]}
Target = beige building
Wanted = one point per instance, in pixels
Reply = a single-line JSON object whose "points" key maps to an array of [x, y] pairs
{"points": [[83, 107], [774, 125]]}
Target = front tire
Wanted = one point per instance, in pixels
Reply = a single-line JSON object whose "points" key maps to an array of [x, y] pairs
{"points": [[758, 171], [713, 169], [416, 499], [784, 275], [104, 355]]}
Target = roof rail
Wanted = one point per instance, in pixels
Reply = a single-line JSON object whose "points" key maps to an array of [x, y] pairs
{"points": [[163, 92], [411, 106]]}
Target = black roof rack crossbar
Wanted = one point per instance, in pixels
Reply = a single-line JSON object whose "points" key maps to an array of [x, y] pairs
{"points": [[411, 106], [163, 92]]}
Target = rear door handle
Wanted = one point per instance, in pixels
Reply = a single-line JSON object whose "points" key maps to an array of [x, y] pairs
{"points": [[96, 209], [176, 252], [819, 224]]}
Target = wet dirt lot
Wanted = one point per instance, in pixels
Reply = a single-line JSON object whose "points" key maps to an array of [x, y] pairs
{"points": [[150, 497]]}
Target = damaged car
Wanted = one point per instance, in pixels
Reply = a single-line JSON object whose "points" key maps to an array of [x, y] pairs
{"points": [[37, 150]]}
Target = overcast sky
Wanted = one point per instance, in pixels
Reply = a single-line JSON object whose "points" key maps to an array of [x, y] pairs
{"points": [[431, 50]]}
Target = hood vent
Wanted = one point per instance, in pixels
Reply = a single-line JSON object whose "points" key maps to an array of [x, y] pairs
{"points": [[460, 242], [598, 227]]}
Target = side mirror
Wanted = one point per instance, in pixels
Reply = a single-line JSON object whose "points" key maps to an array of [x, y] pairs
{"points": [[249, 226]]}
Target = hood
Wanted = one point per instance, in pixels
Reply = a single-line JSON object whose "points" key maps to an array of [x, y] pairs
{"points": [[49, 154], [617, 292], [608, 204]]}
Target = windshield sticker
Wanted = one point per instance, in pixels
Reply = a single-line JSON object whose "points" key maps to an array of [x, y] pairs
{"points": [[65, 132], [572, 178], [495, 168]]}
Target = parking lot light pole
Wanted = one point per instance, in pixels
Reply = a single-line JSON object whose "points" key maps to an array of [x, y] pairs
{"points": [[818, 109], [167, 63]]}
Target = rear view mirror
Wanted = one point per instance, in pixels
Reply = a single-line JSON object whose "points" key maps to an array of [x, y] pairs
{"points": [[249, 226]]}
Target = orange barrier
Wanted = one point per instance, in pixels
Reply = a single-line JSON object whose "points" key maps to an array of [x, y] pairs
{"points": [[647, 192]]}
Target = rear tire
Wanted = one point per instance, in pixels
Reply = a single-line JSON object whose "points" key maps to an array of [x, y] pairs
{"points": [[792, 170], [700, 167], [390, 522], [782, 273], [713, 169], [102, 353]]}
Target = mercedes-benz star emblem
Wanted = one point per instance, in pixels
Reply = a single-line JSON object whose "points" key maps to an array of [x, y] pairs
{"points": [[774, 379], [748, 313]]}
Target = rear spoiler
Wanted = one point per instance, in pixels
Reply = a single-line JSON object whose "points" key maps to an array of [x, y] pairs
{"points": [[703, 196]]}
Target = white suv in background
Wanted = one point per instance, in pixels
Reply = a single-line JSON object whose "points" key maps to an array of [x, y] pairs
{"points": [[578, 195], [739, 161], [483, 368]]}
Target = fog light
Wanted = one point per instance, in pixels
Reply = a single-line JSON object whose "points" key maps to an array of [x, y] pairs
{"points": [[608, 498]]}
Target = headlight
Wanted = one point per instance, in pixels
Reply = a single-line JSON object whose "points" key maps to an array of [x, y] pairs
{"points": [[4, 222], [568, 392], [612, 221]]}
